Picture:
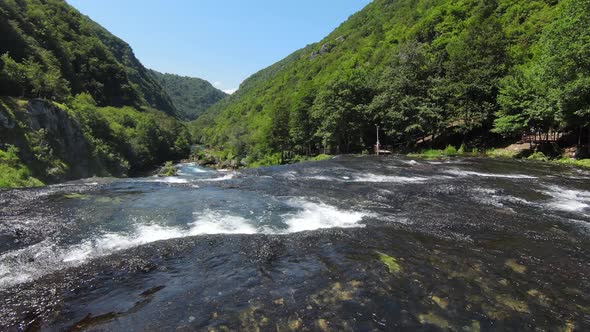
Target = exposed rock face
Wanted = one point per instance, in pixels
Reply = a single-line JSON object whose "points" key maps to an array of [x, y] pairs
{"points": [[326, 48], [50, 141], [63, 134]]}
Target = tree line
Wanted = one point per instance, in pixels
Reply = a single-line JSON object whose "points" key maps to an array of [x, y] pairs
{"points": [[445, 72]]}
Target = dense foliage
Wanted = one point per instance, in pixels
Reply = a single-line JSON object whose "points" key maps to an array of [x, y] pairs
{"points": [[80, 139], [76, 102], [441, 71], [12, 171], [124, 139], [191, 96], [50, 50]]}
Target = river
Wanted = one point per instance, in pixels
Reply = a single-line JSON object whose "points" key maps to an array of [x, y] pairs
{"points": [[351, 243]]}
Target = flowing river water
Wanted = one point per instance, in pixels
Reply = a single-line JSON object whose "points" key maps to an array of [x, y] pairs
{"points": [[351, 243]]}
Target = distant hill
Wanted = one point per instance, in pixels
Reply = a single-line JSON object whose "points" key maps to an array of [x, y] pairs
{"points": [[449, 71], [191, 96], [62, 52]]}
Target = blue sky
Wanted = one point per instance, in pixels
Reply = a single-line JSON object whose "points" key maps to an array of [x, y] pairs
{"points": [[222, 41]]}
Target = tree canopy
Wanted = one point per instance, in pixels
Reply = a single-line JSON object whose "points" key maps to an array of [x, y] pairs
{"points": [[466, 71], [50, 50]]}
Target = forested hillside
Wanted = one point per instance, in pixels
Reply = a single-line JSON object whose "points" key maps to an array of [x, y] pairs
{"points": [[50, 50], [74, 100], [191, 96], [448, 71]]}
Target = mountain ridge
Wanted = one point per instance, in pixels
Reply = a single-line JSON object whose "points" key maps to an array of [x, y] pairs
{"points": [[191, 96]]}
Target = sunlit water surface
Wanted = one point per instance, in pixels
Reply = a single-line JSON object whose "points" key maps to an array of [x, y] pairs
{"points": [[352, 243]]}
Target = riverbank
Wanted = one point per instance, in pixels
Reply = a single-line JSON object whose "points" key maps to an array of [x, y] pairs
{"points": [[223, 160], [220, 159], [510, 152]]}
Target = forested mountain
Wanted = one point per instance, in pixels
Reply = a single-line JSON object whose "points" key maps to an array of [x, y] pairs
{"points": [[191, 96], [461, 71], [51, 50], [74, 100]]}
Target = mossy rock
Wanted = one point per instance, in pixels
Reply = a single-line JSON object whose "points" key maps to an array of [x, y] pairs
{"points": [[391, 263]]}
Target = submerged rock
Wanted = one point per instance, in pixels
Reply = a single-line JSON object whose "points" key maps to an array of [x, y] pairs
{"points": [[391, 263]]}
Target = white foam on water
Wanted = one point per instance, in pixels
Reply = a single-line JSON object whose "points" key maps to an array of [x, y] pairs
{"points": [[313, 216], [213, 222], [226, 177], [496, 198], [323, 178], [169, 179], [568, 200], [198, 169], [37, 260], [388, 178], [192, 168], [462, 173], [372, 178]]}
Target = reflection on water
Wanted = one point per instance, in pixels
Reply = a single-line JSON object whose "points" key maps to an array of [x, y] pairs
{"points": [[349, 243]]}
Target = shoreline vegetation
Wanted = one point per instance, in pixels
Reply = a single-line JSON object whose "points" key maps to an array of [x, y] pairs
{"points": [[219, 159], [45, 142], [506, 153], [222, 160]]}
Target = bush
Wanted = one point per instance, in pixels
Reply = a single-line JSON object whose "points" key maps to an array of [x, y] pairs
{"points": [[168, 169], [428, 154], [539, 156], [461, 150], [13, 173], [450, 151]]}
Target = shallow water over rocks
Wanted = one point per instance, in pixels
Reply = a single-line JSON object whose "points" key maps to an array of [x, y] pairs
{"points": [[352, 243]]}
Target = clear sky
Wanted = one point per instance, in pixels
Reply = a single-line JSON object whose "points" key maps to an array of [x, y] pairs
{"points": [[222, 41]]}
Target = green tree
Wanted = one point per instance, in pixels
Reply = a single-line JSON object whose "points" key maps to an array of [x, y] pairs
{"points": [[476, 62], [35, 76], [301, 128], [13, 74], [565, 58], [403, 104], [340, 110]]}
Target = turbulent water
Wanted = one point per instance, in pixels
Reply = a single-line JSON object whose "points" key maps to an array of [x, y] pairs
{"points": [[352, 243]]}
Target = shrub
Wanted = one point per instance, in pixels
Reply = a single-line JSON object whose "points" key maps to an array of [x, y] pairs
{"points": [[539, 156], [428, 154], [500, 153], [450, 151], [13, 173], [168, 169]]}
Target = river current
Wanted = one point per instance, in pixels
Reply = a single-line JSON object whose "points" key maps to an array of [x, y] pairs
{"points": [[351, 243]]}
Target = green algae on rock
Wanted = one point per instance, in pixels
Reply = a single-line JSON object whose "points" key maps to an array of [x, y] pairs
{"points": [[391, 263]]}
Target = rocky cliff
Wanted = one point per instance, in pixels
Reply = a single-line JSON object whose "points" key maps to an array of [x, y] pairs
{"points": [[50, 141]]}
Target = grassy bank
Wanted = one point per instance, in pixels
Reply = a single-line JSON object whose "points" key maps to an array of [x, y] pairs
{"points": [[14, 174], [451, 151]]}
